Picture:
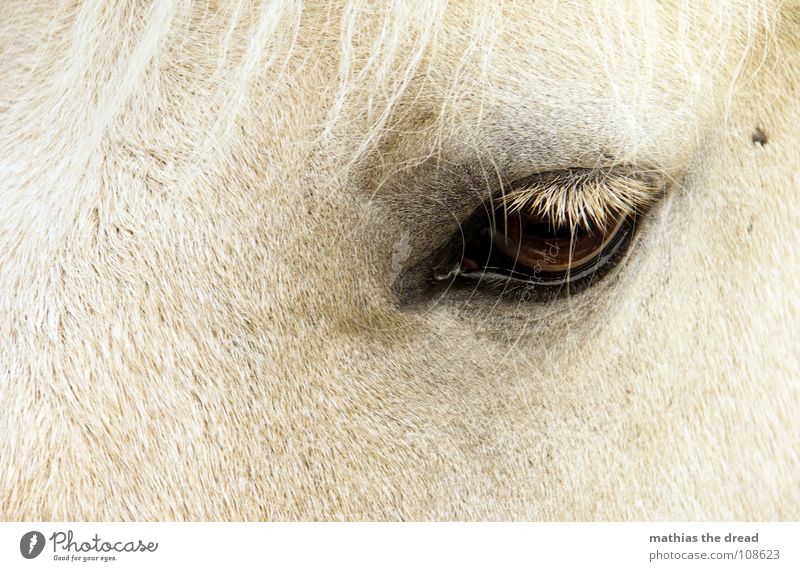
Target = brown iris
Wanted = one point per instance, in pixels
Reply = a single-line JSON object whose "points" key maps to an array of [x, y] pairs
{"points": [[534, 249]]}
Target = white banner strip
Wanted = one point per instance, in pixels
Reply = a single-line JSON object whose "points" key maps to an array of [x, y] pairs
{"points": [[379, 546]]}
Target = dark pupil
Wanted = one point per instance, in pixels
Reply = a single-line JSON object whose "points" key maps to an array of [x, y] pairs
{"points": [[530, 226]]}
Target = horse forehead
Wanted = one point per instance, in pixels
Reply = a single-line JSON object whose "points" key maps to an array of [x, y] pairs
{"points": [[541, 79]]}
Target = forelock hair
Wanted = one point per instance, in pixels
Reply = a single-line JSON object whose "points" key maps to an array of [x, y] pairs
{"points": [[93, 60]]}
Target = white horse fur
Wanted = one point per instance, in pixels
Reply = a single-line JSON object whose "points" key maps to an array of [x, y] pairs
{"points": [[215, 220]]}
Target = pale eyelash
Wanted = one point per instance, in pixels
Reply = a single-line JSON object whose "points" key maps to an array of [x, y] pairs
{"points": [[585, 198]]}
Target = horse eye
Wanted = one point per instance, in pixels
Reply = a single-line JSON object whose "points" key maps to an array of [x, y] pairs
{"points": [[535, 250]]}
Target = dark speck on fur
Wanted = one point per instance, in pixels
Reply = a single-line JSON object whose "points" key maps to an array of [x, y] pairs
{"points": [[759, 137]]}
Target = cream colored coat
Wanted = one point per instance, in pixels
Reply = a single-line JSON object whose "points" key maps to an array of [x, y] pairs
{"points": [[214, 223]]}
